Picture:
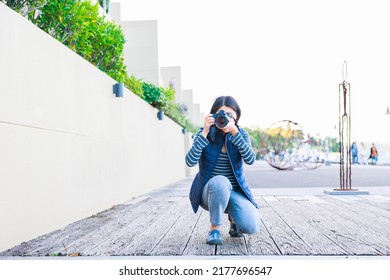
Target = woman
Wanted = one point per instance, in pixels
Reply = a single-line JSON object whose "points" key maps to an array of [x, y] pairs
{"points": [[220, 148]]}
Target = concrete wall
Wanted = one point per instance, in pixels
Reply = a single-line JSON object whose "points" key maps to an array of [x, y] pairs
{"points": [[172, 75], [193, 113], [141, 50], [141, 47], [68, 147]]}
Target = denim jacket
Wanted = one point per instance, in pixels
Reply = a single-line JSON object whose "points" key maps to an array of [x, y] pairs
{"points": [[208, 160]]}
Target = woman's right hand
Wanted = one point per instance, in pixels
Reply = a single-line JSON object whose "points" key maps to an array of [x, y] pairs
{"points": [[208, 122]]}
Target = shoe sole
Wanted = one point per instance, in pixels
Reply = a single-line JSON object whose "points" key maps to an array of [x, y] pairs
{"points": [[214, 243], [236, 235]]}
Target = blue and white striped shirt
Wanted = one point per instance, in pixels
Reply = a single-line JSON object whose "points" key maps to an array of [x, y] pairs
{"points": [[224, 168], [200, 142]]}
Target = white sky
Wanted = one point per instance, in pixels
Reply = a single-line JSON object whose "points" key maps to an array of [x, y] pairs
{"points": [[281, 59]]}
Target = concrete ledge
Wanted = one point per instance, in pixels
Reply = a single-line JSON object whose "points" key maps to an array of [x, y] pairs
{"points": [[346, 192]]}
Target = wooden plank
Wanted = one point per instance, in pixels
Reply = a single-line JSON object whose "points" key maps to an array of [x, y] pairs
{"points": [[268, 198], [145, 241], [166, 198], [262, 242], [111, 238], [370, 227], [314, 199], [338, 229], [364, 211], [380, 201], [317, 242], [286, 240], [121, 238], [376, 197], [59, 240], [292, 197], [231, 246], [175, 240], [197, 243], [136, 200]]}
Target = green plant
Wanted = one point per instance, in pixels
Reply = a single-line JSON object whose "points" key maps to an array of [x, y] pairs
{"points": [[25, 7], [135, 85], [168, 92], [255, 136], [154, 95], [174, 111], [78, 25]]}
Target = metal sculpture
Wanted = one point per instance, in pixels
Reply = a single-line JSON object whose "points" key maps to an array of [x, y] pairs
{"points": [[284, 147], [345, 132]]}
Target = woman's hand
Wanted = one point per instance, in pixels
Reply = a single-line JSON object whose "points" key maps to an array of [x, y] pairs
{"points": [[208, 122], [230, 127]]}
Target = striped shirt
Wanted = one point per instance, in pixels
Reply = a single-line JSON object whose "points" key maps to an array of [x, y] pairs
{"points": [[224, 168], [200, 142]]}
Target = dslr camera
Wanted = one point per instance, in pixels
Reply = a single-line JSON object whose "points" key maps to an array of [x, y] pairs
{"points": [[221, 119]]}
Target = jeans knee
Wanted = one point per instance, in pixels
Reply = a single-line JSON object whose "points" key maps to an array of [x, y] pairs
{"points": [[250, 228], [251, 224], [220, 184]]}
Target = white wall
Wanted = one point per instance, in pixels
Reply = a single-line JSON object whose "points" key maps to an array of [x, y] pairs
{"points": [[141, 50], [68, 147], [193, 113], [169, 74], [141, 47]]}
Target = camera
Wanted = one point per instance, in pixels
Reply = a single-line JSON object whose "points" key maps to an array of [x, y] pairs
{"points": [[221, 119]]}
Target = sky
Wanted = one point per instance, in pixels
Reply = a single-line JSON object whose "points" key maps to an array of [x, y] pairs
{"points": [[280, 59]]}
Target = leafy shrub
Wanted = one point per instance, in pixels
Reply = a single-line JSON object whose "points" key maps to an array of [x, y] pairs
{"points": [[135, 85], [78, 25], [25, 7], [162, 99], [168, 92], [154, 95], [174, 111]]}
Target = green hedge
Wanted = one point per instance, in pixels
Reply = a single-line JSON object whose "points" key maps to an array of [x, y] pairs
{"points": [[25, 7], [135, 85], [78, 25]]}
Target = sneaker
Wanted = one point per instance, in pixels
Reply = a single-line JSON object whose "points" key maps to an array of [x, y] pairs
{"points": [[234, 231], [214, 238]]}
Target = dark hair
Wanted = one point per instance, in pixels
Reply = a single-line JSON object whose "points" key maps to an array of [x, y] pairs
{"points": [[228, 101]]}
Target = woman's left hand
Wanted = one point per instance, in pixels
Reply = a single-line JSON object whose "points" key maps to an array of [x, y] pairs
{"points": [[231, 127]]}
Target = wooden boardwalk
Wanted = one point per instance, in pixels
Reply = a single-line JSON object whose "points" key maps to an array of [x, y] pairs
{"points": [[161, 223]]}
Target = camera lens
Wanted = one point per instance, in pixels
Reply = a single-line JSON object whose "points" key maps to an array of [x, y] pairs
{"points": [[221, 121]]}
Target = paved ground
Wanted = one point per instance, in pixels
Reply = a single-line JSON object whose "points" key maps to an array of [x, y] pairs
{"points": [[262, 176]]}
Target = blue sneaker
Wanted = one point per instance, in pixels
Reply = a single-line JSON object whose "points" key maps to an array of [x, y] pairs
{"points": [[214, 238]]}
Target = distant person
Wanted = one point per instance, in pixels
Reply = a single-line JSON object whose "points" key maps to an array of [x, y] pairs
{"points": [[373, 154], [221, 147], [362, 153], [354, 152]]}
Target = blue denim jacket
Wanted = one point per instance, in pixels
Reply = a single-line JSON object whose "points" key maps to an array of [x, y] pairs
{"points": [[208, 161]]}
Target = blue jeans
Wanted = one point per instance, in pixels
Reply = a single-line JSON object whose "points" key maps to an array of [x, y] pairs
{"points": [[355, 159], [218, 198]]}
